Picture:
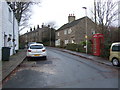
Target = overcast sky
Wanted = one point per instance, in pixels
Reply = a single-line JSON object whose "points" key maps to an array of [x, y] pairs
{"points": [[58, 11]]}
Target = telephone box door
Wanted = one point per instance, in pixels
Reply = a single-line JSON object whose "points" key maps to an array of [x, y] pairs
{"points": [[97, 44]]}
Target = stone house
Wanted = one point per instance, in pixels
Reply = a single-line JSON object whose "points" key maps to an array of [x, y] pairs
{"points": [[74, 31], [45, 35], [9, 36]]}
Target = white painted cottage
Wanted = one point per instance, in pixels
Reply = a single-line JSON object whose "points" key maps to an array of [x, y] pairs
{"points": [[9, 36]]}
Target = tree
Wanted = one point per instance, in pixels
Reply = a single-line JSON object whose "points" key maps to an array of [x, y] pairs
{"points": [[106, 12], [22, 11]]}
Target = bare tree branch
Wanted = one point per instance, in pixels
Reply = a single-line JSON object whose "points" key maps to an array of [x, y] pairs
{"points": [[106, 13], [22, 10]]}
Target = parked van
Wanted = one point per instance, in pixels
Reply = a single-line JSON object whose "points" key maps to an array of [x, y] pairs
{"points": [[115, 54]]}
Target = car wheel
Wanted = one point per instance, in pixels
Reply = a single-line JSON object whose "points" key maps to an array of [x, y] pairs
{"points": [[115, 62]]}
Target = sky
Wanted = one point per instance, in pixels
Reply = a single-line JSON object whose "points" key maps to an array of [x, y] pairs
{"points": [[58, 11]]}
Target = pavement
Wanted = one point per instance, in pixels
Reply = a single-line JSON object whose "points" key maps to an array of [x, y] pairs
{"points": [[12, 63], [15, 60], [88, 56]]}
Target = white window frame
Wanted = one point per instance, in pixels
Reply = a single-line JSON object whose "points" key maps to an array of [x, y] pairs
{"points": [[70, 31], [65, 32], [58, 42], [58, 34], [66, 42], [73, 41]]}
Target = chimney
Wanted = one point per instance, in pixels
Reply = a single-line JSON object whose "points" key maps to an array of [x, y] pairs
{"points": [[30, 29], [48, 26], [71, 18], [38, 27], [34, 27], [42, 25]]}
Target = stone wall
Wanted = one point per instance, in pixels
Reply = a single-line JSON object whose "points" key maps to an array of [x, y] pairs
{"points": [[78, 32]]}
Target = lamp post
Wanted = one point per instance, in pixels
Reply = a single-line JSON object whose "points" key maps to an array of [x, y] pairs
{"points": [[50, 36], [86, 28]]}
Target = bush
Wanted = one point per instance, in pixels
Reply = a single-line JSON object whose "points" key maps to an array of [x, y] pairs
{"points": [[76, 47], [79, 47], [106, 51], [71, 47]]}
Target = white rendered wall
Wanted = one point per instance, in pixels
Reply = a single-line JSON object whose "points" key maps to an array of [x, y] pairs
{"points": [[7, 28], [0, 30]]}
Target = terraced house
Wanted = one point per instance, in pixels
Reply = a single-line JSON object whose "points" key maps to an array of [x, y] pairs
{"points": [[8, 29], [74, 31], [45, 35]]}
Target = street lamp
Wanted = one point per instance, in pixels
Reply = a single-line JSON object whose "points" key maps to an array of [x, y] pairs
{"points": [[86, 28]]}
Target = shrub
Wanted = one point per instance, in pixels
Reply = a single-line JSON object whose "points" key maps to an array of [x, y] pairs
{"points": [[71, 47], [79, 47], [105, 51]]}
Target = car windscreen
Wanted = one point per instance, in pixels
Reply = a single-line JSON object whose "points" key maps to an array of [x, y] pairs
{"points": [[36, 47], [116, 48]]}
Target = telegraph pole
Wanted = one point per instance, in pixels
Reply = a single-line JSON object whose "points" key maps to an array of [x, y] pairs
{"points": [[95, 14], [50, 36]]}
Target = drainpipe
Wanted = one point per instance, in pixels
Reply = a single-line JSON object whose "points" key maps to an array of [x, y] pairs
{"points": [[13, 30]]}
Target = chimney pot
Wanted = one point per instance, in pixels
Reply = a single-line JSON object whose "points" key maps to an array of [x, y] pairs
{"points": [[42, 25], [31, 29], [48, 25], [38, 27], [34, 27], [71, 18]]}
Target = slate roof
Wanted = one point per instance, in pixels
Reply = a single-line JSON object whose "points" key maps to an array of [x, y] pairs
{"points": [[68, 25]]}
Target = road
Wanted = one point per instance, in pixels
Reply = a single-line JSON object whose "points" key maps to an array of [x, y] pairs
{"points": [[62, 70]]}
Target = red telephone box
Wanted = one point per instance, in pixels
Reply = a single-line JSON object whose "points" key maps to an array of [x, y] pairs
{"points": [[97, 44]]}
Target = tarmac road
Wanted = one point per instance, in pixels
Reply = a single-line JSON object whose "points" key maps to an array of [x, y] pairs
{"points": [[62, 70]]}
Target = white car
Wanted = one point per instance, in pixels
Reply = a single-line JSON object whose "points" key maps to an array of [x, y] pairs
{"points": [[36, 50]]}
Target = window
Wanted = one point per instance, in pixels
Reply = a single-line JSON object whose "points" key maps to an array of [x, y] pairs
{"points": [[93, 32], [65, 32], [73, 41], [58, 34], [66, 41], [36, 47], [10, 15], [58, 42], [69, 31], [116, 48]]}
